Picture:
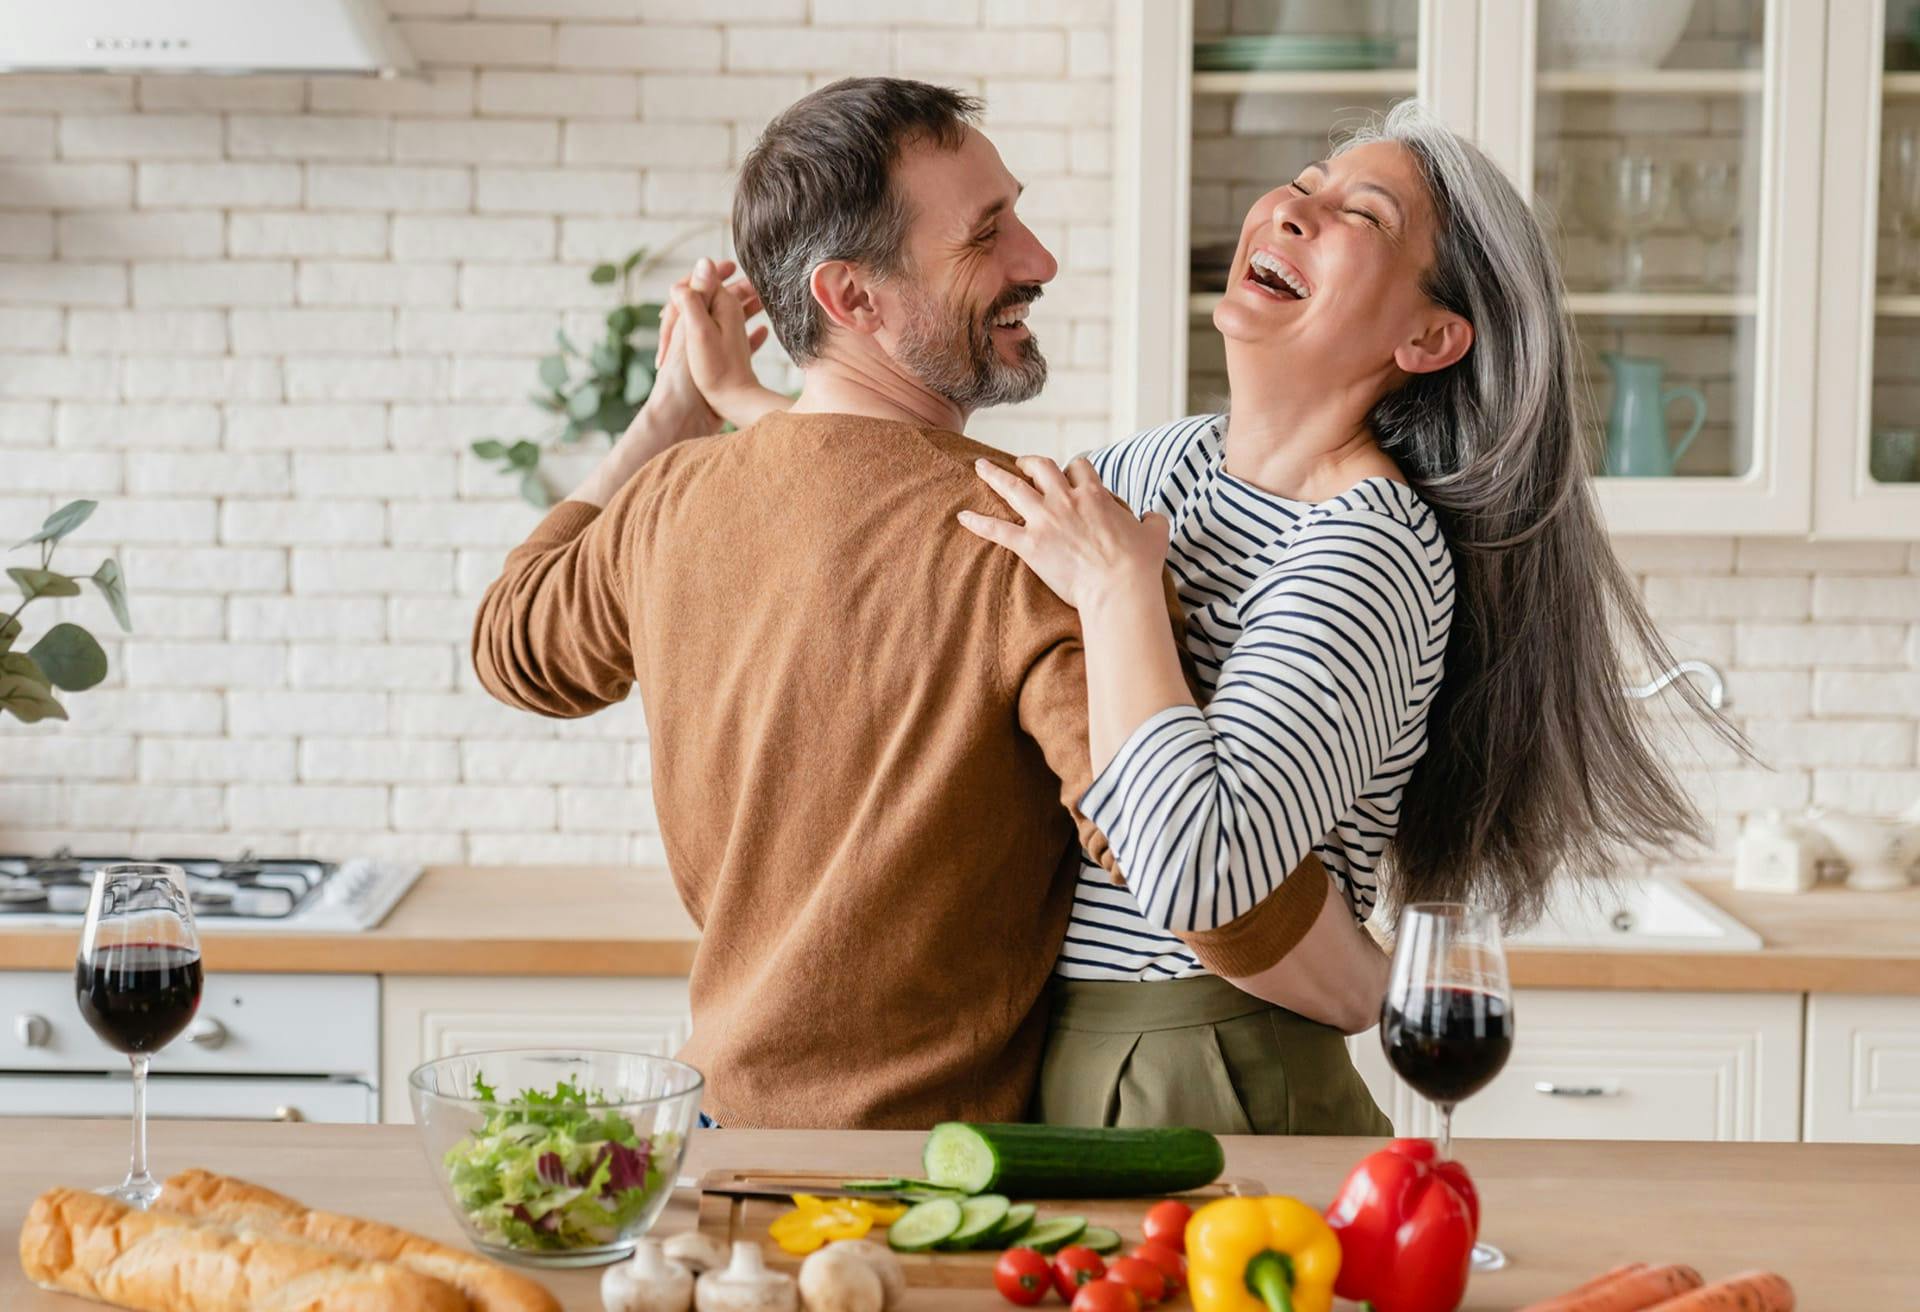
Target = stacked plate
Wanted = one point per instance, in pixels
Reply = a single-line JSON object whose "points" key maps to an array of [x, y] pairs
{"points": [[1296, 53]]}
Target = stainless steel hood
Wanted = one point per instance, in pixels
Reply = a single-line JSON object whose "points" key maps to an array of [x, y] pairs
{"points": [[200, 36]]}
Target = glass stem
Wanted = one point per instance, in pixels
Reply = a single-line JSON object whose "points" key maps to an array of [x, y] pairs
{"points": [[1446, 1131], [137, 1171], [1635, 259]]}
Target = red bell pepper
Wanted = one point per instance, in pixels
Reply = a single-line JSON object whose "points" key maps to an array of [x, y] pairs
{"points": [[1406, 1222]]}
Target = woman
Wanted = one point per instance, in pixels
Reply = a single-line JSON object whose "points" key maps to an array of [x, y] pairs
{"points": [[1399, 597]]}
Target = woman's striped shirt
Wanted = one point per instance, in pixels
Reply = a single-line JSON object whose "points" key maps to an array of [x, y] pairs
{"points": [[1318, 630]]}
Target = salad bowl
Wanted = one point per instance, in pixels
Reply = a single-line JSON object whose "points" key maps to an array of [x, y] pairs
{"points": [[555, 1156]]}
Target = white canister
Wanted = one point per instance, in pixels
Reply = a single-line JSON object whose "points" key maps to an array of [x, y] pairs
{"points": [[1772, 856]]}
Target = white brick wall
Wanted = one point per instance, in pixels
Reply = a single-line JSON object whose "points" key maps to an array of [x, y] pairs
{"points": [[261, 318]]}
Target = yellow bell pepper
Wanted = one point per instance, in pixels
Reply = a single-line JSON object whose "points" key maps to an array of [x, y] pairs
{"points": [[814, 1222], [1261, 1255]]}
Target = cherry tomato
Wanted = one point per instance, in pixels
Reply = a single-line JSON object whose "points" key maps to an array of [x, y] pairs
{"points": [[1023, 1276], [1139, 1275], [1172, 1265], [1074, 1267], [1166, 1223], [1106, 1296]]}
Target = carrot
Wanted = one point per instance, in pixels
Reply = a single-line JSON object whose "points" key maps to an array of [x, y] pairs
{"points": [[1625, 1289], [1750, 1291]]}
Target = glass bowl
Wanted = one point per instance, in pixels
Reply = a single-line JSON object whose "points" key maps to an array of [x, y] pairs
{"points": [[555, 1156]]}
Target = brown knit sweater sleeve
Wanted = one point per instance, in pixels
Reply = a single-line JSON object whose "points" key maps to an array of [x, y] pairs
{"points": [[554, 631]]}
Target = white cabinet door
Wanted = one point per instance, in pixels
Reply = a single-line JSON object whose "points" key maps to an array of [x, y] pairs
{"points": [[1622, 1065], [1863, 1069], [428, 1016]]}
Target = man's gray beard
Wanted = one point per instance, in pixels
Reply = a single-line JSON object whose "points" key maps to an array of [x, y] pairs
{"points": [[954, 357]]}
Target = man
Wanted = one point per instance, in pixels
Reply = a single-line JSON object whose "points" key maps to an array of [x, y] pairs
{"points": [[868, 727]]}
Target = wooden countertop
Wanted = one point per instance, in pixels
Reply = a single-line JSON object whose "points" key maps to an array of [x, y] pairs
{"points": [[628, 921], [1829, 1217]]}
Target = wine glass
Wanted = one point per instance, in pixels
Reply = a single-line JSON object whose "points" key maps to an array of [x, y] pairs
{"points": [[138, 979], [1626, 197], [1710, 190], [1447, 1023]]}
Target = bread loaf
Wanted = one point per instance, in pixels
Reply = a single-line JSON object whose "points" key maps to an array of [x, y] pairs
{"points": [[99, 1248], [221, 1198]]}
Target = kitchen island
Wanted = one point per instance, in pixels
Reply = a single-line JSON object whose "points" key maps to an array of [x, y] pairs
{"points": [[1830, 1217]]}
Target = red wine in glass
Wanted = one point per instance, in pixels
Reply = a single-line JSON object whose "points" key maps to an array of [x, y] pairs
{"points": [[137, 978], [1447, 1022]]}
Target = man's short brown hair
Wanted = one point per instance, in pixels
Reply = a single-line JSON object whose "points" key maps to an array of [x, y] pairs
{"points": [[818, 186]]}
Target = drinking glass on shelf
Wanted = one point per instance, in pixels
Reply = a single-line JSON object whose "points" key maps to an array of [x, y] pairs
{"points": [[1447, 1023], [1903, 204], [138, 978], [1710, 191], [1625, 197]]}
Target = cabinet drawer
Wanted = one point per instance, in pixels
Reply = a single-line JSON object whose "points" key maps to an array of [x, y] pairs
{"points": [[424, 1017], [1624, 1065], [1863, 1069]]}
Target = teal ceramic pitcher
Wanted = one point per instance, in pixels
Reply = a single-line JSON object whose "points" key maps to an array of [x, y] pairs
{"points": [[1637, 444]]}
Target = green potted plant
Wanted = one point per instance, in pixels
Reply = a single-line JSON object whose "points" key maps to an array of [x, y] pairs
{"points": [[597, 390], [66, 657]]}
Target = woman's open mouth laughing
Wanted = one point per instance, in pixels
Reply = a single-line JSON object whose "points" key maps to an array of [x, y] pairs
{"points": [[1271, 276]]}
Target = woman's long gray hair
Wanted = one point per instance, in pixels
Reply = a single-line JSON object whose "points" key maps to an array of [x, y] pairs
{"points": [[1535, 764]]}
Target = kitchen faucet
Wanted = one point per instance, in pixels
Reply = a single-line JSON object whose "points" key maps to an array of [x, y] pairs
{"points": [[1716, 687]]}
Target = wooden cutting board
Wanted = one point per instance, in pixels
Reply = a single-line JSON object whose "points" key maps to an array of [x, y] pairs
{"points": [[727, 1219]]}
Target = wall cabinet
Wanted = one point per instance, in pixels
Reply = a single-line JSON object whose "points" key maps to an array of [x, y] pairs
{"points": [[428, 1016], [1625, 1065], [1735, 204], [1863, 1069]]}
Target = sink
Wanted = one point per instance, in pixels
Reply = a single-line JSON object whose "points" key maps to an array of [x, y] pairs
{"points": [[1637, 915]]}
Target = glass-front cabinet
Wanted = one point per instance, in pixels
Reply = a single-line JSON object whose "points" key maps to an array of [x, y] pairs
{"points": [[1868, 480], [1733, 186]]}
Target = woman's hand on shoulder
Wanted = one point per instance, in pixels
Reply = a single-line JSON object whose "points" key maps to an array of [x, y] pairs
{"points": [[1083, 542]]}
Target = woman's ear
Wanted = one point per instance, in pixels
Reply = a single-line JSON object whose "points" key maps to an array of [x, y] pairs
{"points": [[1441, 343], [841, 291]]}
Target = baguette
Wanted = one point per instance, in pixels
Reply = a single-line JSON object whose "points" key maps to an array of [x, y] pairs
{"points": [[221, 1198], [99, 1248]]}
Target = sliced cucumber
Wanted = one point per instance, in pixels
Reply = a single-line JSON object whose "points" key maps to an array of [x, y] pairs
{"points": [[1046, 1161], [1100, 1239], [1019, 1221], [980, 1216], [924, 1225], [1054, 1233]]}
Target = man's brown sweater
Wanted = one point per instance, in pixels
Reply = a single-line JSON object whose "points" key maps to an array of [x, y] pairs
{"points": [[868, 730]]}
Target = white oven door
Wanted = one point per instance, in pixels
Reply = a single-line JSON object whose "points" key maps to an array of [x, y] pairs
{"points": [[348, 1102]]}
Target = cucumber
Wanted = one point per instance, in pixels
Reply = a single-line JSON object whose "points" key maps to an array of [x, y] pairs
{"points": [[885, 1185], [1054, 1233], [1101, 1240], [1019, 1221], [980, 1216], [1047, 1161], [924, 1225]]}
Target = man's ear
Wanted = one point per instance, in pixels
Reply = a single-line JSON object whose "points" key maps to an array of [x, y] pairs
{"points": [[843, 292], [1440, 343]]}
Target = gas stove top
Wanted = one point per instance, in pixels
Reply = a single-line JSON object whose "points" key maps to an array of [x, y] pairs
{"points": [[251, 893]]}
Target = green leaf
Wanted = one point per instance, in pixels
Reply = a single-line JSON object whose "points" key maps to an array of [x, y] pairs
{"points": [[28, 701], [523, 455], [605, 359], [582, 404], [113, 586], [9, 630], [564, 342], [648, 314], [604, 273], [549, 401], [18, 663], [553, 371], [639, 383], [534, 491], [572, 433], [490, 448], [43, 583], [71, 657], [621, 322], [61, 522], [626, 265]]}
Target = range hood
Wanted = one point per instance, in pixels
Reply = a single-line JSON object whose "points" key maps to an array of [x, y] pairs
{"points": [[201, 36]]}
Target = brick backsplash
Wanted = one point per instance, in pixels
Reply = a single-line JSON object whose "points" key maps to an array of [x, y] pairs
{"points": [[261, 318]]}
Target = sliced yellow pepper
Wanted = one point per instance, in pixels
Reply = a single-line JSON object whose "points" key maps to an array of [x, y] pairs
{"points": [[814, 1222], [1261, 1255]]}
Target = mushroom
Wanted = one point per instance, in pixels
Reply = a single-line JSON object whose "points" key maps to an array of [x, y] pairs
{"points": [[696, 1252], [746, 1285], [649, 1283], [851, 1276]]}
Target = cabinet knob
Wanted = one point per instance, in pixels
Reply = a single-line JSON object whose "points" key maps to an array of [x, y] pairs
{"points": [[207, 1033], [287, 1114], [32, 1029], [1553, 1090]]}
